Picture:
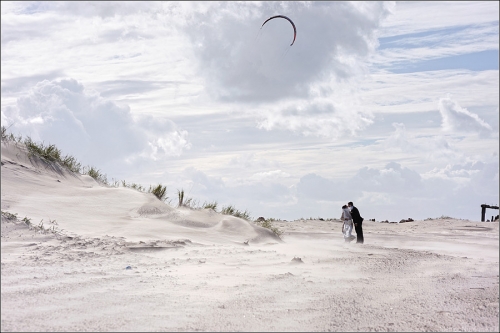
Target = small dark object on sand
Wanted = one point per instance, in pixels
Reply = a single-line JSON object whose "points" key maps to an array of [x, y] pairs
{"points": [[297, 260]]}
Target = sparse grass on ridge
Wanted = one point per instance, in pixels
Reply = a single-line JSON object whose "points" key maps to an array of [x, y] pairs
{"points": [[9, 216], [40, 228], [51, 153], [135, 186], [230, 210], [442, 217], [210, 205]]}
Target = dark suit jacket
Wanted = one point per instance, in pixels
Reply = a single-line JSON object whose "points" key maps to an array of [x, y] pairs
{"points": [[356, 218]]}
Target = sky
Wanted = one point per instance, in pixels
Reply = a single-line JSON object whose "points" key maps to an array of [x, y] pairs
{"points": [[391, 105]]}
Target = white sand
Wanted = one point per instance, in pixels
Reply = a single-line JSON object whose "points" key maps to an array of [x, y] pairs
{"points": [[191, 270]]}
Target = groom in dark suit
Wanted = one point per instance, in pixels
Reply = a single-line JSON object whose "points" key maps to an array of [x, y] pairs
{"points": [[358, 222]]}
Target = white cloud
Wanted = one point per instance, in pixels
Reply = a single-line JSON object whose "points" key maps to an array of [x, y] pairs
{"points": [[328, 117], [252, 161], [411, 17], [460, 173], [374, 198], [242, 63], [432, 147], [421, 91], [269, 175], [93, 129], [456, 118]]}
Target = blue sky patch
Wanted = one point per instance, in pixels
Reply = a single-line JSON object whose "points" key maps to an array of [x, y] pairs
{"points": [[478, 61]]}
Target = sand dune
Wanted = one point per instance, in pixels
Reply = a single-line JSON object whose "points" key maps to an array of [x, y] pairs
{"points": [[99, 258]]}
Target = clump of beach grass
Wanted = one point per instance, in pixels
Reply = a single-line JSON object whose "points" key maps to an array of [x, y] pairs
{"points": [[135, 186], [267, 223], [9, 216], [182, 201], [160, 191], [210, 205], [71, 164], [442, 217], [96, 174], [50, 152], [231, 210], [40, 228]]}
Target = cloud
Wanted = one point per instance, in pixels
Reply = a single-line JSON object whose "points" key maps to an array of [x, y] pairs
{"points": [[91, 128], [203, 184], [411, 17], [460, 173], [263, 191], [269, 175], [88, 9], [394, 192], [312, 187], [393, 178], [421, 91], [456, 118], [21, 83], [242, 63], [432, 147], [309, 88], [251, 160], [120, 88], [321, 118]]}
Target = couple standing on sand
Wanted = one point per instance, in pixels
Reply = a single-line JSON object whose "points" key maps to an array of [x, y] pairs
{"points": [[350, 215]]}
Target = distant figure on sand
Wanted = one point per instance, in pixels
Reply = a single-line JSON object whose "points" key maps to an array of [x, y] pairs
{"points": [[347, 225], [358, 222]]}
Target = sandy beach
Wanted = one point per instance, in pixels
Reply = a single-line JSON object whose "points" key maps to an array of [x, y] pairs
{"points": [[80, 256]]}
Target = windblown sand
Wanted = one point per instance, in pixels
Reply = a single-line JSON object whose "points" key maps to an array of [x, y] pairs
{"points": [[97, 258]]}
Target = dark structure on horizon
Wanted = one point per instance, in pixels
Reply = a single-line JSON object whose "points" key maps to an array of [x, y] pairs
{"points": [[483, 211]]}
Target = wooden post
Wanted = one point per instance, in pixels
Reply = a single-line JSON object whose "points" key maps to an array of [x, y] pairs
{"points": [[483, 211]]}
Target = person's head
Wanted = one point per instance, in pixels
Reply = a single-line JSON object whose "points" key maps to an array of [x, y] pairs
{"points": [[344, 207], [350, 204]]}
